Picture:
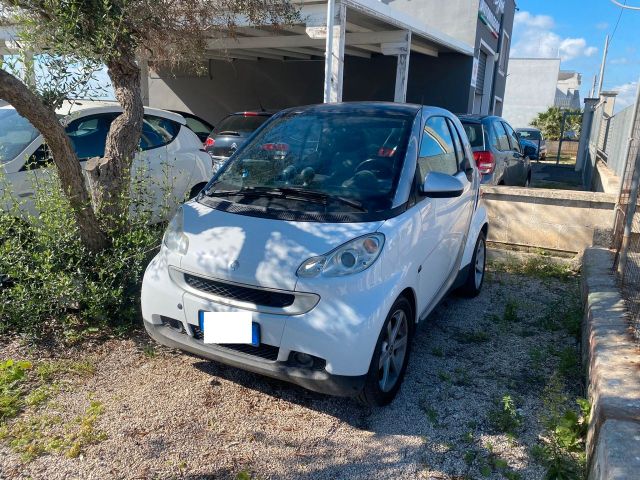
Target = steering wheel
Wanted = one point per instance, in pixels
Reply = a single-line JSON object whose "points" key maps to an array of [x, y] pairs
{"points": [[375, 165]]}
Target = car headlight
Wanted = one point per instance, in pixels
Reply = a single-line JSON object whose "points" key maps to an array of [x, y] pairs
{"points": [[352, 257], [174, 238]]}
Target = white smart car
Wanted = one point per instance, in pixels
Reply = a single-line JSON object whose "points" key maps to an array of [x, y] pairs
{"points": [[171, 156], [322, 242]]}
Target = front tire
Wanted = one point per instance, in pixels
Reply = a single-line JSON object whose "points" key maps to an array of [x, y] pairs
{"points": [[390, 356], [475, 276]]}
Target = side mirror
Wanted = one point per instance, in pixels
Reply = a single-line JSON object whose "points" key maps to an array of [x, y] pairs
{"points": [[441, 185], [530, 151]]}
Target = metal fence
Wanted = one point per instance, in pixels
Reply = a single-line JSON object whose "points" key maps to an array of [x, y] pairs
{"points": [[626, 232]]}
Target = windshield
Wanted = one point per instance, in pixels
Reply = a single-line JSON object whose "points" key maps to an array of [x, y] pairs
{"points": [[529, 134], [474, 132], [16, 133], [320, 161], [237, 124]]}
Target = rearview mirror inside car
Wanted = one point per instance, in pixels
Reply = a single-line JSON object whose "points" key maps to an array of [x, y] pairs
{"points": [[441, 185]]}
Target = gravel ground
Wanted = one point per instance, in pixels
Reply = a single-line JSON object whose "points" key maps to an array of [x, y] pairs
{"points": [[169, 415]]}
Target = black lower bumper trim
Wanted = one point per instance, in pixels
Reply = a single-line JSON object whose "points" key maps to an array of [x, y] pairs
{"points": [[318, 381]]}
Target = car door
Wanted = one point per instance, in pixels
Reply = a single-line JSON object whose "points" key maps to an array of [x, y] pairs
{"points": [[517, 166], [442, 219], [500, 142]]}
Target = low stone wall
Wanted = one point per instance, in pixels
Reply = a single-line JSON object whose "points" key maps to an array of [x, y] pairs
{"points": [[564, 220], [613, 363], [605, 180]]}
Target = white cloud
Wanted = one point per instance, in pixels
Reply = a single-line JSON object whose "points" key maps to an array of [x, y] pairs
{"points": [[602, 25], [626, 95], [535, 38], [619, 61]]}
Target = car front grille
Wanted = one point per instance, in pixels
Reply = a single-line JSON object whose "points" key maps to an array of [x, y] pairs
{"points": [[268, 352], [240, 293]]}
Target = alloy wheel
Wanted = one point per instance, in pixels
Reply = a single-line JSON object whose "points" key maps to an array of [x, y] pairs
{"points": [[394, 350]]}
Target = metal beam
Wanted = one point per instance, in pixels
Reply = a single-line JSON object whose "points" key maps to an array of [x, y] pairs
{"points": [[432, 52], [228, 56], [286, 41]]}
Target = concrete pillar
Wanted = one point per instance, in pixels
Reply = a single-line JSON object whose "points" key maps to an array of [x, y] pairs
{"points": [[403, 53], [585, 132], [334, 53]]}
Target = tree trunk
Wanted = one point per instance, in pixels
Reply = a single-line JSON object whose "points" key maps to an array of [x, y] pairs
{"points": [[110, 176], [45, 120]]}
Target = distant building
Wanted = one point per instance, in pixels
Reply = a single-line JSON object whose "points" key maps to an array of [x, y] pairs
{"points": [[534, 85], [568, 90]]}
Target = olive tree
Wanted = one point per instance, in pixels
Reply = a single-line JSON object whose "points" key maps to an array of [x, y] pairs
{"points": [[115, 33]]}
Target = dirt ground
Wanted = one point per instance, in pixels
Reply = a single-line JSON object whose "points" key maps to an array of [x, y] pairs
{"points": [[148, 412]]}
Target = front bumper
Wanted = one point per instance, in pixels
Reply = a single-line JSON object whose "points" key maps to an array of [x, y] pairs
{"points": [[316, 380]]}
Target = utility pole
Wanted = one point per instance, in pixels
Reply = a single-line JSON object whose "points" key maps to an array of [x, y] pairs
{"points": [[593, 87], [604, 61]]}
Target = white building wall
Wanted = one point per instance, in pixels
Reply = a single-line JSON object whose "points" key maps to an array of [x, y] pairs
{"points": [[457, 18], [531, 88]]}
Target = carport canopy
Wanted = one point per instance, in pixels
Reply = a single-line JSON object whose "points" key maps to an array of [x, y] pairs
{"points": [[328, 29], [358, 28]]}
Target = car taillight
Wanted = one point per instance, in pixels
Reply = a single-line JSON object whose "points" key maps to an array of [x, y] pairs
{"points": [[250, 114], [485, 161], [210, 142]]}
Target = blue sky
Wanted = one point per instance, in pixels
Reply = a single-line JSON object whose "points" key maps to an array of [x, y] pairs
{"points": [[575, 31]]}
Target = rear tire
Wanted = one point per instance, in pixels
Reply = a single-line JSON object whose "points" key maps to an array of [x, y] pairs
{"points": [[475, 276], [390, 356]]}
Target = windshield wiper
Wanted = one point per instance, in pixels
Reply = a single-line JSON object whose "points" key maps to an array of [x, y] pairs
{"points": [[289, 192], [312, 194]]}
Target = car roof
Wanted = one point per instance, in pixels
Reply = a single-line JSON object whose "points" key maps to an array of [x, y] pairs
{"points": [[365, 107], [259, 113], [82, 108], [528, 129], [475, 118]]}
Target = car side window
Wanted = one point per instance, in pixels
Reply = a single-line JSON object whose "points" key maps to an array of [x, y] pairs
{"points": [[89, 134], [157, 132], [457, 143], [437, 152], [513, 137], [502, 140]]}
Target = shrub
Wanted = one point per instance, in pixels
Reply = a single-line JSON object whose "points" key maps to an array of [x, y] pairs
{"points": [[51, 285]]}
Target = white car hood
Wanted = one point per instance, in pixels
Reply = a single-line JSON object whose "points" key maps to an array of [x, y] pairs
{"points": [[258, 251]]}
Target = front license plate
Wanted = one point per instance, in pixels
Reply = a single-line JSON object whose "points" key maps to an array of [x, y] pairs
{"points": [[229, 327]]}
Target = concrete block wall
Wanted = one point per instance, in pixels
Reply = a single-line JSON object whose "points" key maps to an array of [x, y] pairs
{"points": [[563, 220], [612, 360]]}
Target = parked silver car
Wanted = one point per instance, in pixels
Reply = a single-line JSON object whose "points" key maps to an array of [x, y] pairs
{"points": [[500, 157]]}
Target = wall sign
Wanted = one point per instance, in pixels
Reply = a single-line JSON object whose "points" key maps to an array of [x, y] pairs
{"points": [[487, 16]]}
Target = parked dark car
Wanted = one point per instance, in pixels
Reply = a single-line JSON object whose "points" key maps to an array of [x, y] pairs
{"points": [[534, 135], [231, 132], [533, 148], [197, 125], [497, 150]]}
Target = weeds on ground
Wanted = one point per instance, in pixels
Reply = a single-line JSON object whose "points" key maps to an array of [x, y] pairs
{"points": [[24, 385], [504, 417], [46, 433], [563, 449], [538, 267], [472, 336]]}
